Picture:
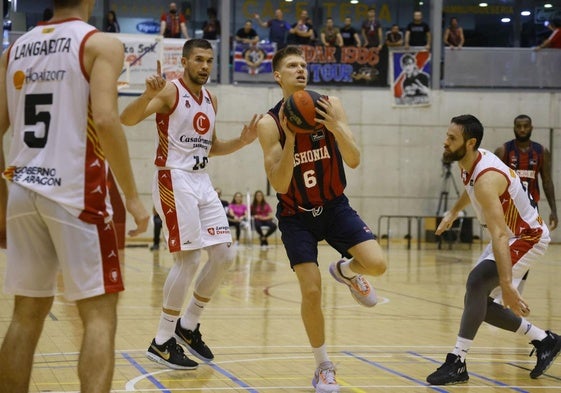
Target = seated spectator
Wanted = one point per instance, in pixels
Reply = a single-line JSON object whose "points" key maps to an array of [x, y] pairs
{"points": [[237, 211], [372, 31], [454, 34], [554, 40], [211, 27], [224, 202], [111, 23], [262, 217], [247, 34], [394, 37], [349, 34], [330, 35]]}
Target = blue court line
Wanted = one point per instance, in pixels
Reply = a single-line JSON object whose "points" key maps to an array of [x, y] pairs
{"points": [[232, 377], [143, 371], [375, 364], [490, 380]]}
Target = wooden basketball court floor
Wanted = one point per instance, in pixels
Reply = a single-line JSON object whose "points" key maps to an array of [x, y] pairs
{"points": [[254, 328]]}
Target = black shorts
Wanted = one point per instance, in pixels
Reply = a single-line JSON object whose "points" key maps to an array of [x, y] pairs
{"points": [[336, 222]]}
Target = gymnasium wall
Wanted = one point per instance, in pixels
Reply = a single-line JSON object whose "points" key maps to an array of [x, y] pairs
{"points": [[400, 172]]}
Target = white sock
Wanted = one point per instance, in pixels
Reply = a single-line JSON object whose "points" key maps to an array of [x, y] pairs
{"points": [[346, 270], [166, 328], [192, 314], [320, 354], [531, 331], [462, 347]]}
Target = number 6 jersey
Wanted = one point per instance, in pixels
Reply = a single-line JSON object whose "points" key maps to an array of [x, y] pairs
{"points": [[54, 148]]}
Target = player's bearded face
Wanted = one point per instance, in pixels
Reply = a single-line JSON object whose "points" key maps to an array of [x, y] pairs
{"points": [[454, 155]]}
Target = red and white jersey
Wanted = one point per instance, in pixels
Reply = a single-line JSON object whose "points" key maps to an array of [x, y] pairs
{"points": [[185, 133], [55, 150], [521, 217]]}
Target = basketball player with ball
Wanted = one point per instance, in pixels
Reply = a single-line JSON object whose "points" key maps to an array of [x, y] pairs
{"points": [[306, 140]]}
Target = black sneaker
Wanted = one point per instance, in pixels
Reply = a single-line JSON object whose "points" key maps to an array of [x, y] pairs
{"points": [[452, 371], [171, 355], [192, 339], [546, 351]]}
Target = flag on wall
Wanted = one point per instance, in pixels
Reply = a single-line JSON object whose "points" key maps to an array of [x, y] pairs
{"points": [[411, 73], [254, 59]]}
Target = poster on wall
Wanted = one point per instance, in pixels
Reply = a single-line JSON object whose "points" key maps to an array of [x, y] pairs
{"points": [[410, 73], [254, 59]]}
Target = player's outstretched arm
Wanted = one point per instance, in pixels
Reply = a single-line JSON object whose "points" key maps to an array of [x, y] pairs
{"points": [[103, 59]]}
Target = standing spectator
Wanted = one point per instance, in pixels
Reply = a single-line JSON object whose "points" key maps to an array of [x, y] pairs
{"points": [[111, 24], [530, 160], [173, 23], [263, 215], [454, 34], [349, 33], [554, 40], [519, 237], [278, 28], [193, 217], [372, 31], [47, 14], [222, 201], [394, 37], [330, 35], [247, 34], [211, 27], [237, 214], [313, 206], [302, 32], [63, 223], [417, 32]]}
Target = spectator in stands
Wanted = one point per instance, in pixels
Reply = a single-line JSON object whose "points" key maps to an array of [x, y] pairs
{"points": [[211, 27], [554, 40], [111, 23], [237, 211], [173, 23], [394, 37], [224, 202], [454, 34], [278, 28], [372, 31], [262, 214], [247, 34], [302, 32], [330, 35], [349, 33], [47, 14], [417, 32]]}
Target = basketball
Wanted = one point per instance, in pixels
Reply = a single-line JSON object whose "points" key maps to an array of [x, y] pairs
{"points": [[300, 111]]}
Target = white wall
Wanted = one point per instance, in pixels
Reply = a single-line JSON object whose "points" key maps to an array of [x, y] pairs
{"points": [[401, 171]]}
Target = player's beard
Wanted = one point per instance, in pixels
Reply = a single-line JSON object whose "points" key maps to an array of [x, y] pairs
{"points": [[456, 155], [197, 79], [523, 138]]}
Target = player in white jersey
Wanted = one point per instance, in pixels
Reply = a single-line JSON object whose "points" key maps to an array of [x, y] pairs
{"points": [[191, 211], [58, 92], [518, 237]]}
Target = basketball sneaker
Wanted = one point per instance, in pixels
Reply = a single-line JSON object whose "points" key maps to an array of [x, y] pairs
{"points": [[171, 355], [324, 379], [359, 286], [452, 371], [546, 351], [192, 339]]}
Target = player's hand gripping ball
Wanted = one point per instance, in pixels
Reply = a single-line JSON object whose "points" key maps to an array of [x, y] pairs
{"points": [[300, 111]]}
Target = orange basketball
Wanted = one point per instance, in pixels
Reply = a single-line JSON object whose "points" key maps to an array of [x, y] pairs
{"points": [[300, 111]]}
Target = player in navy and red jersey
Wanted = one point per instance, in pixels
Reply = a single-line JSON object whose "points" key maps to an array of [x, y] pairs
{"points": [[307, 172], [530, 160]]}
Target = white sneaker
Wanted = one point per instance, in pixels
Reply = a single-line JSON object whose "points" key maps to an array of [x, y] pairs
{"points": [[324, 379], [359, 286]]}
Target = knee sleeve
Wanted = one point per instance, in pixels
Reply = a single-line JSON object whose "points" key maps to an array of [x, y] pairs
{"points": [[180, 277], [220, 258]]}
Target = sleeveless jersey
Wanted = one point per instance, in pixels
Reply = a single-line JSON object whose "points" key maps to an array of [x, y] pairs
{"points": [[55, 150], [318, 176], [521, 217], [185, 134], [527, 165]]}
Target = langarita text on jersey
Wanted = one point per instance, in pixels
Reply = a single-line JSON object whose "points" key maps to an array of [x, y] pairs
{"points": [[42, 48]]}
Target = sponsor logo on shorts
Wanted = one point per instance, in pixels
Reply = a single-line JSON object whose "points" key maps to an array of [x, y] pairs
{"points": [[114, 275], [220, 230]]}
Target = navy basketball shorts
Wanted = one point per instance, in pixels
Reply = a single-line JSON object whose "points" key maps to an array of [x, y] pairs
{"points": [[336, 222]]}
